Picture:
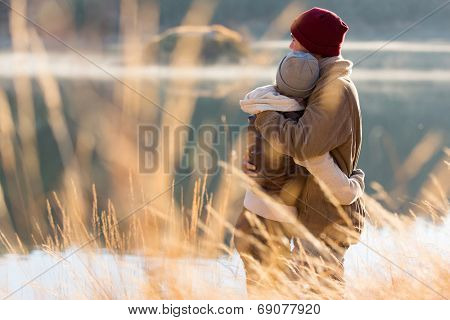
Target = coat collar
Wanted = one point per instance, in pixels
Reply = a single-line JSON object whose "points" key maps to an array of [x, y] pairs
{"points": [[335, 65]]}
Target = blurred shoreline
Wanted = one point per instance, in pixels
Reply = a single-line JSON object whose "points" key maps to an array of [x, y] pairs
{"points": [[415, 62], [395, 46]]}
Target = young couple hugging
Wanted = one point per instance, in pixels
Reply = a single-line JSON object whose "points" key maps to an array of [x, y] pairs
{"points": [[304, 141]]}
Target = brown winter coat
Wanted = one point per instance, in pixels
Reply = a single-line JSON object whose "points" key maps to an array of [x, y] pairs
{"points": [[273, 168], [331, 123]]}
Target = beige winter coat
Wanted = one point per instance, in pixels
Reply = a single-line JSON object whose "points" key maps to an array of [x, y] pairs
{"points": [[331, 123]]}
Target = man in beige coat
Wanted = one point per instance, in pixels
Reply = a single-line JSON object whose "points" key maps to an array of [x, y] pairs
{"points": [[331, 123]]}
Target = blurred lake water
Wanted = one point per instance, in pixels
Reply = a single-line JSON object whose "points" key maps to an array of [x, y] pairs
{"points": [[403, 90], [403, 93]]}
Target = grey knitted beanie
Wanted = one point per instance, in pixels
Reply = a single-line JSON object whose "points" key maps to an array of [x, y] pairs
{"points": [[297, 74]]}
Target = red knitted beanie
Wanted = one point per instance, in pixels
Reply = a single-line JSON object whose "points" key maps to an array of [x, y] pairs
{"points": [[320, 31]]}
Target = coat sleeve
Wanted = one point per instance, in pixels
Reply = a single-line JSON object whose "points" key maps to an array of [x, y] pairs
{"points": [[325, 125]]}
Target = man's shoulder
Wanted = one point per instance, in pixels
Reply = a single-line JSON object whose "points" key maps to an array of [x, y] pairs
{"points": [[333, 85], [343, 83], [348, 83], [336, 92], [343, 86], [351, 91]]}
